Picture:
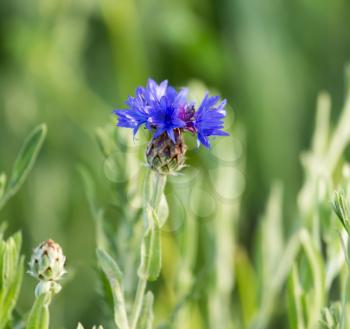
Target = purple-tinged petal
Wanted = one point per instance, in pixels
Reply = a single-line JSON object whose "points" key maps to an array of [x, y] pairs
{"points": [[155, 91], [180, 99]]}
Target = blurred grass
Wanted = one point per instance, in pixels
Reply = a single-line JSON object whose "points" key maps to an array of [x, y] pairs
{"points": [[69, 63]]}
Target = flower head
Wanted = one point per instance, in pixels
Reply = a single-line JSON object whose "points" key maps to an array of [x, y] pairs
{"points": [[155, 106], [167, 114]]}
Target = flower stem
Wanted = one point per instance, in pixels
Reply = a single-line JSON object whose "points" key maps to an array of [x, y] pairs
{"points": [[155, 184], [154, 188]]}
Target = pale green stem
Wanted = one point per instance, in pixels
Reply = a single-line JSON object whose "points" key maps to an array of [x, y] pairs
{"points": [[154, 200], [39, 316], [158, 189], [140, 293]]}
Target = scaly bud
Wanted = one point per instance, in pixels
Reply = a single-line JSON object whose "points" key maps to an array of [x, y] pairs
{"points": [[165, 156], [47, 264]]}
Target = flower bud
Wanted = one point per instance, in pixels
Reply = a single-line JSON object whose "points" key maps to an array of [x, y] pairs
{"points": [[47, 262], [165, 156]]}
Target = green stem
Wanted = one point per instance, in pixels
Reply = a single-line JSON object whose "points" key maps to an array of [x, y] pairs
{"points": [[158, 181], [140, 293], [154, 189], [39, 316]]}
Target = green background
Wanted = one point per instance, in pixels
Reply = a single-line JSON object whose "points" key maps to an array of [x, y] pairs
{"points": [[70, 63]]}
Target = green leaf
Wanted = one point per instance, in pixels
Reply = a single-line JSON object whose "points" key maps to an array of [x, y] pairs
{"points": [[147, 316], [295, 308], [114, 276], [24, 161], [89, 188], [9, 300], [11, 275], [39, 314], [272, 241], [151, 250], [279, 276], [318, 278], [331, 317]]}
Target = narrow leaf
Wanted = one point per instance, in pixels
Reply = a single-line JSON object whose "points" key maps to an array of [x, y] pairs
{"points": [[114, 276], [318, 275], [89, 188], [147, 316], [295, 308], [9, 299], [25, 161]]}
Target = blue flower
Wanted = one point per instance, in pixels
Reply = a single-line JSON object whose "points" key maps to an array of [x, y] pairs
{"points": [[156, 106], [209, 120], [161, 109]]}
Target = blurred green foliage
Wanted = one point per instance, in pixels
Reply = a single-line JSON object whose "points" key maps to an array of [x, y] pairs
{"points": [[69, 63]]}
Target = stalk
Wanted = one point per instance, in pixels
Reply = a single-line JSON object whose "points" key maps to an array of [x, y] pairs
{"points": [[154, 189], [140, 294]]}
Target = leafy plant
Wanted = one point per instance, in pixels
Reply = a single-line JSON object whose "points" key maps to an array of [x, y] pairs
{"points": [[11, 261]]}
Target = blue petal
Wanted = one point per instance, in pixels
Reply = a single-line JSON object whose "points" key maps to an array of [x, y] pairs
{"points": [[171, 134], [209, 119], [156, 92]]}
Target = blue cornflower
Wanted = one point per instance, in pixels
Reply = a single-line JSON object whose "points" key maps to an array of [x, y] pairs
{"points": [[163, 110], [156, 106], [209, 120]]}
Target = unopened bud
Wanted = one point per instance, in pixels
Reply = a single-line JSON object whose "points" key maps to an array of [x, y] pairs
{"points": [[47, 262]]}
